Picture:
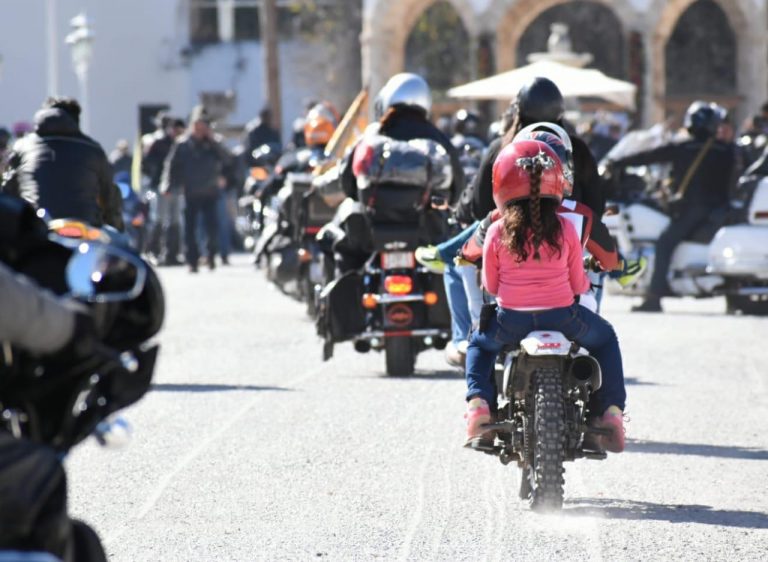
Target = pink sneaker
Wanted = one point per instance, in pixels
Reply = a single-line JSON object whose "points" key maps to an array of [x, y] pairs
{"points": [[613, 418], [478, 414]]}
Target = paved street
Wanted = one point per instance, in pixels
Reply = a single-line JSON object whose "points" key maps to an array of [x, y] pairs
{"points": [[250, 448]]}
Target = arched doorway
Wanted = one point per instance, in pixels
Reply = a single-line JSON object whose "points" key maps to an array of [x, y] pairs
{"points": [[594, 28], [438, 48], [386, 28], [701, 58], [747, 79]]}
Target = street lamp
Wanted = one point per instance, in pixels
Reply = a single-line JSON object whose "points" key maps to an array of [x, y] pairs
{"points": [[80, 39]]}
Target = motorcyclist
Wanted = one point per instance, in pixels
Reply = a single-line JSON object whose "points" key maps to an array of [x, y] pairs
{"points": [[165, 238], [703, 171], [61, 170], [401, 108]]}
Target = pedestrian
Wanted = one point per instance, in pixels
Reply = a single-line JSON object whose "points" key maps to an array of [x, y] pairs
{"points": [[196, 168], [61, 170], [260, 132], [165, 237], [121, 157]]}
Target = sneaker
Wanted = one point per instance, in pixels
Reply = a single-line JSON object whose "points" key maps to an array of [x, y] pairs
{"points": [[211, 262], [633, 269], [613, 418], [478, 414], [193, 268], [454, 356], [224, 260], [650, 304], [429, 257]]}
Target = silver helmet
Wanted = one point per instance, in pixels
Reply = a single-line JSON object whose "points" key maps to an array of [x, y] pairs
{"points": [[405, 89]]}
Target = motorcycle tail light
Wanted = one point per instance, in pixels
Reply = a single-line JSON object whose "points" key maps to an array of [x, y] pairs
{"points": [[398, 284], [430, 298]]}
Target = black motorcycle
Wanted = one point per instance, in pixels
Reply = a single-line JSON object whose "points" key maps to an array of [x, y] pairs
{"points": [[50, 404]]}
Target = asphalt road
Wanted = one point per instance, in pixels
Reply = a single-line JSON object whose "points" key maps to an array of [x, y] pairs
{"points": [[250, 448]]}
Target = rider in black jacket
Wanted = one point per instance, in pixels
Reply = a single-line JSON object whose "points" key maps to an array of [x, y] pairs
{"points": [[712, 167], [61, 170]]}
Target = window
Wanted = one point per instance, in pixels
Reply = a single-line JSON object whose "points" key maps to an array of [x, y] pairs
{"points": [[204, 21], [247, 23]]}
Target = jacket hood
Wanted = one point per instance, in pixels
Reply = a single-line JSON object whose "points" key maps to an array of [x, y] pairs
{"points": [[54, 121]]}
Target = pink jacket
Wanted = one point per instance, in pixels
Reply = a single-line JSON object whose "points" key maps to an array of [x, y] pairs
{"points": [[551, 282]]}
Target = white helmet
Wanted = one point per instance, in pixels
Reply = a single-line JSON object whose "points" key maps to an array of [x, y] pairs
{"points": [[406, 89]]}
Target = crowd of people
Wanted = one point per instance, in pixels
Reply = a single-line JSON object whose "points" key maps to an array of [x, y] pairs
{"points": [[195, 179]]}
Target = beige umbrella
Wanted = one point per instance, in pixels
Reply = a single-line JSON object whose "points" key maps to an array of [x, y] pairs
{"points": [[573, 83]]}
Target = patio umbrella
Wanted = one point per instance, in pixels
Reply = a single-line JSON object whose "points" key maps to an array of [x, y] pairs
{"points": [[573, 83]]}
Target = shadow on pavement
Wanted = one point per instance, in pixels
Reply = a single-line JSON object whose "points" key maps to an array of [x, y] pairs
{"points": [[423, 376], [634, 381], [674, 513], [721, 451], [167, 387]]}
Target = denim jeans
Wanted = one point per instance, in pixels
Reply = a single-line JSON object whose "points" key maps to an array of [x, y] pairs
{"points": [[577, 323], [451, 247], [224, 207], [195, 208], [461, 321]]}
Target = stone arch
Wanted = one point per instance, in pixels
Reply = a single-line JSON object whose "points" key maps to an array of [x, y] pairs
{"points": [[670, 12], [386, 28], [514, 20]]}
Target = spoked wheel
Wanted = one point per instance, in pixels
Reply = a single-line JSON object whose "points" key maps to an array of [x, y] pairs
{"points": [[400, 355], [543, 474]]}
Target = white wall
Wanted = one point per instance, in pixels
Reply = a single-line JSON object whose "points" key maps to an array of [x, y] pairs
{"points": [[127, 67], [136, 61]]}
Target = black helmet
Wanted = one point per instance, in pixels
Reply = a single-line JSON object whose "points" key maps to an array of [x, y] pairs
{"points": [[703, 119], [540, 100], [466, 123]]}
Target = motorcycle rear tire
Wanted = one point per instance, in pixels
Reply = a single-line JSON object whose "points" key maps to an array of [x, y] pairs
{"points": [[400, 356], [545, 471]]}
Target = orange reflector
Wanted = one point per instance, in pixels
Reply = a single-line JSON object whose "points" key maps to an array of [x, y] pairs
{"points": [[305, 256], [138, 220], [259, 174], [430, 298], [398, 284], [370, 301]]}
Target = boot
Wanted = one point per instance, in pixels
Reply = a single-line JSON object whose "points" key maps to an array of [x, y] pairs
{"points": [[651, 303]]}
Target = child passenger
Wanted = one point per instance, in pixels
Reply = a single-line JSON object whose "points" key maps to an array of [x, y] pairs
{"points": [[532, 263]]}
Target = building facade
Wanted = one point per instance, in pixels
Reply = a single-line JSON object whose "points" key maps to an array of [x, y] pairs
{"points": [[668, 46]]}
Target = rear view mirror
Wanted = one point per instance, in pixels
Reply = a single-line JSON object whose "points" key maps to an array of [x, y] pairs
{"points": [[101, 273]]}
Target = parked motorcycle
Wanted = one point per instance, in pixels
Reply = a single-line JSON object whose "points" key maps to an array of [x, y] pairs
{"points": [[250, 206], [50, 404], [545, 388]]}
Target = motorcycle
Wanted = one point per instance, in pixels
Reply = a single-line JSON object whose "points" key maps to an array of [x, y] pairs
{"points": [[250, 206], [545, 388], [726, 256], [391, 304], [50, 404]]}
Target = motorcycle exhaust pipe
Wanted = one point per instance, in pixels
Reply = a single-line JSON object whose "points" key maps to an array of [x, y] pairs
{"points": [[585, 370]]}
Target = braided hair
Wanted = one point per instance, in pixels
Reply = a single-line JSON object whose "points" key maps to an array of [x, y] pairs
{"points": [[532, 216]]}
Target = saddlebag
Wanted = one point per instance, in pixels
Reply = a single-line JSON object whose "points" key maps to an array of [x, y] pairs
{"points": [[341, 314]]}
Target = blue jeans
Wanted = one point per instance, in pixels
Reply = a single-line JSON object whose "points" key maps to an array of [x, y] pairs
{"points": [[575, 322], [461, 321], [451, 247]]}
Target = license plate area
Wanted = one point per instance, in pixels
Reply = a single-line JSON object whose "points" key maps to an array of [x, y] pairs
{"points": [[397, 260]]}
